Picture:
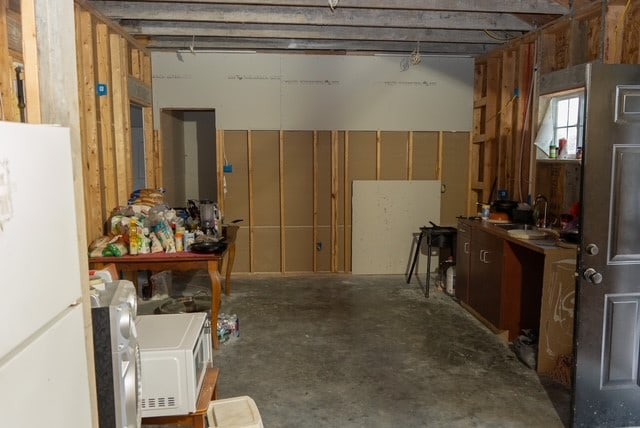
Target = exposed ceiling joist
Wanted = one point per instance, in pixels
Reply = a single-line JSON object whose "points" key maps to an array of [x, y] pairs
{"points": [[457, 27]]}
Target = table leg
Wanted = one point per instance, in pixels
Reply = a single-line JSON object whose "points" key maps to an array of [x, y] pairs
{"points": [[426, 291], [231, 255], [216, 297], [415, 257]]}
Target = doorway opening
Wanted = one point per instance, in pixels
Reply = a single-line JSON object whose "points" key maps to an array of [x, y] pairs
{"points": [[189, 155]]}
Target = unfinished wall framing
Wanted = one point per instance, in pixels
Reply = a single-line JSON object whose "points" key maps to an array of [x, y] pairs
{"points": [[110, 59], [505, 107], [293, 189]]}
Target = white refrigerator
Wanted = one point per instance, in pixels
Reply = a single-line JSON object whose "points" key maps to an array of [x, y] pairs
{"points": [[43, 360]]}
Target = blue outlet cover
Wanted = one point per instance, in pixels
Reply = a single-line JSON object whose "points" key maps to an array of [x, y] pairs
{"points": [[227, 168], [101, 89]]}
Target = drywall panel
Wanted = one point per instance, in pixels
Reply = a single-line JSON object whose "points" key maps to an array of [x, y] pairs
{"points": [[282, 91], [425, 156], [455, 177], [266, 178], [266, 244], [362, 155], [299, 249], [236, 200], [298, 178], [385, 216], [393, 155]]}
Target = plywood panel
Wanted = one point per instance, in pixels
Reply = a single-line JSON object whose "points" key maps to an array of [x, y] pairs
{"points": [[323, 256], [425, 155], [266, 181], [241, 262], [393, 155], [267, 247], [455, 177], [298, 178], [362, 155], [385, 216], [324, 181], [300, 248], [236, 200]]}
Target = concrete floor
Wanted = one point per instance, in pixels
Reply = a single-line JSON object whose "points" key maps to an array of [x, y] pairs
{"points": [[372, 351]]}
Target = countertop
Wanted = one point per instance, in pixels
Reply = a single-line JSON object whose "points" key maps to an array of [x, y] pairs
{"points": [[546, 245]]}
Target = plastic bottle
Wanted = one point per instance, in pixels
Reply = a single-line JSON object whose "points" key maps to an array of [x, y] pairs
{"points": [[134, 237], [485, 211], [553, 151]]}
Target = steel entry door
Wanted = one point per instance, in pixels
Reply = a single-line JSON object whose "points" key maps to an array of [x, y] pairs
{"points": [[607, 338]]}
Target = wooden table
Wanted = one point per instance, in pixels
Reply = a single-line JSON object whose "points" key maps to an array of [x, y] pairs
{"points": [[208, 393], [183, 261]]}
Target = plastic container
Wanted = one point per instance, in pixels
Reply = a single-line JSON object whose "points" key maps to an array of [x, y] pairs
{"points": [[236, 412]]}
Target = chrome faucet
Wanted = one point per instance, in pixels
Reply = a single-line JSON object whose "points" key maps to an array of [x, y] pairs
{"points": [[539, 216]]}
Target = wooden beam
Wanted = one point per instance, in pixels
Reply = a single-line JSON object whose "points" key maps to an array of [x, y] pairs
{"points": [[251, 219], [31, 61], [378, 153], [8, 107], [149, 157], [211, 12], [157, 154], [118, 69], [315, 200], [220, 150], [282, 202], [410, 157], [505, 121], [347, 195], [547, 7], [334, 201], [440, 156], [106, 125], [203, 30], [90, 148]]}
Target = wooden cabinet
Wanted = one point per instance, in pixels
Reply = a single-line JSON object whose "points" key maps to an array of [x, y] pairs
{"points": [[463, 254], [485, 282], [501, 278]]}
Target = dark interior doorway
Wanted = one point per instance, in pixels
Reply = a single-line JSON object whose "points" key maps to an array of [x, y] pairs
{"points": [[189, 155]]}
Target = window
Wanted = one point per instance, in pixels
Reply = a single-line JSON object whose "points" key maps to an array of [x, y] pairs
{"points": [[568, 123], [563, 118]]}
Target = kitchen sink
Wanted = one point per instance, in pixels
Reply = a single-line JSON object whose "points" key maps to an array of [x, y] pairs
{"points": [[515, 226]]}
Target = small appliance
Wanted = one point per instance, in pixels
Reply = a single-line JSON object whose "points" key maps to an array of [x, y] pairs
{"points": [[116, 354], [175, 352], [209, 217]]}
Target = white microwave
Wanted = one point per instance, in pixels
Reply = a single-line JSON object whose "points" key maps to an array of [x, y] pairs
{"points": [[175, 352]]}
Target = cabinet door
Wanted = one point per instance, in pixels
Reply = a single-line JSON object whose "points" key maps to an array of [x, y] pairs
{"points": [[463, 254], [486, 276]]}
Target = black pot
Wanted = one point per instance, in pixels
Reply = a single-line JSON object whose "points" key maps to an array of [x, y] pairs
{"points": [[501, 206]]}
